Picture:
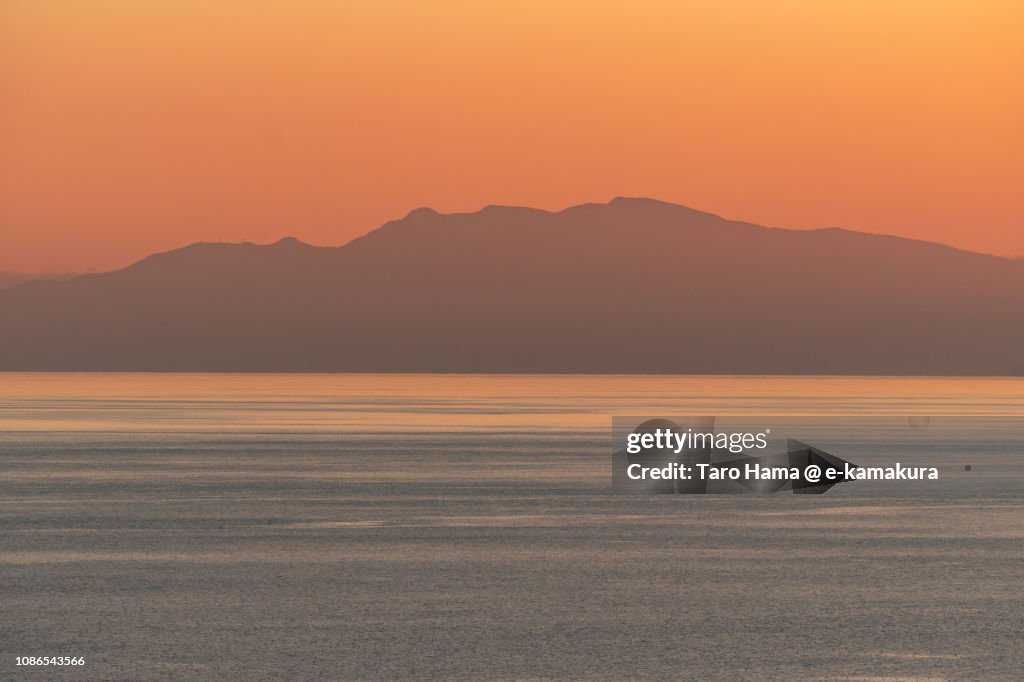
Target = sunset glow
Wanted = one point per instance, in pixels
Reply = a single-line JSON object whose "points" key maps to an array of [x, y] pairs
{"points": [[133, 127]]}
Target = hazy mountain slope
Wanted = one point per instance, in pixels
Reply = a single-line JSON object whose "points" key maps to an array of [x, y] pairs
{"points": [[631, 286], [9, 279]]}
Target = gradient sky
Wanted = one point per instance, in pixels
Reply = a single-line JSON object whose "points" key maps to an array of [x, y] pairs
{"points": [[130, 127]]}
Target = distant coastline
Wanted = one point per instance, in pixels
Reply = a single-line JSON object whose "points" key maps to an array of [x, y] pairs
{"points": [[635, 286]]}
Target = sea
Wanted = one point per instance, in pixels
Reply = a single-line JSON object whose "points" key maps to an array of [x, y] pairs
{"points": [[464, 527]]}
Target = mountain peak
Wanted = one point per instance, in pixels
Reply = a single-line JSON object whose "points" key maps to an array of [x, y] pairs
{"points": [[291, 242], [421, 212], [642, 203], [621, 200]]}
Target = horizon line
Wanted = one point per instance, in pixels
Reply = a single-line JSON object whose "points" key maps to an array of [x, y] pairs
{"points": [[427, 210]]}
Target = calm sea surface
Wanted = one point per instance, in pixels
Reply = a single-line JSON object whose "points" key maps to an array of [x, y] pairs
{"points": [[247, 527]]}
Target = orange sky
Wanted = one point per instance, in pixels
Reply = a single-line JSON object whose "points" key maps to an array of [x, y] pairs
{"points": [[128, 127]]}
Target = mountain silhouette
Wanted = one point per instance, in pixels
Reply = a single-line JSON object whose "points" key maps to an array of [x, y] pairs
{"points": [[9, 279], [635, 285]]}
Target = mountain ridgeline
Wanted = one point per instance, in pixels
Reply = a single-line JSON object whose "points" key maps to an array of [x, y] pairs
{"points": [[632, 286]]}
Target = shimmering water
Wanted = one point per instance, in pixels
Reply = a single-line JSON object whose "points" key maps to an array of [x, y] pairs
{"points": [[460, 527]]}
